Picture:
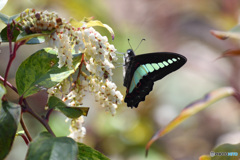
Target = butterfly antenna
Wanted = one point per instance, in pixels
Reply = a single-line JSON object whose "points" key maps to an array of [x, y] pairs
{"points": [[119, 63], [118, 67], [129, 43], [140, 43], [119, 53]]}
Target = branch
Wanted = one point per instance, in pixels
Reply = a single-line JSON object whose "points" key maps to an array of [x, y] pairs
{"points": [[25, 130], [25, 139], [9, 84], [80, 67], [48, 114], [43, 121]]}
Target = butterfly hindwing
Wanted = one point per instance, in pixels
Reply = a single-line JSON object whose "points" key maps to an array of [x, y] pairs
{"points": [[143, 70]]}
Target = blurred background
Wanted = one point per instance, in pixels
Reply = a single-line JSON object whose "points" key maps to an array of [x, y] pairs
{"points": [[174, 26]]}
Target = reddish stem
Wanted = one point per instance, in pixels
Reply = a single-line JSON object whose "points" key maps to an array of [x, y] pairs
{"points": [[12, 52], [25, 139], [9, 84], [25, 130], [43, 121], [12, 57], [9, 36], [80, 67], [48, 114], [26, 107]]}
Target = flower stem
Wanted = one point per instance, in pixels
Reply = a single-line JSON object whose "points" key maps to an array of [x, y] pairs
{"points": [[48, 114], [9, 84], [25, 129], [43, 121], [12, 52], [80, 66], [27, 108], [25, 139]]}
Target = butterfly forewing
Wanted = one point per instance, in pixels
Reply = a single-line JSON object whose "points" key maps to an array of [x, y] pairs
{"points": [[144, 69]]}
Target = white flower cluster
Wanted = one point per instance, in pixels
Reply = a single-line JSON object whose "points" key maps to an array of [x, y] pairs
{"points": [[77, 130], [72, 96], [105, 93], [98, 54], [37, 22], [62, 35], [98, 57]]}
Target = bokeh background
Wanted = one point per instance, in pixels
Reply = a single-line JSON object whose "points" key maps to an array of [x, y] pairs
{"points": [[174, 26]]}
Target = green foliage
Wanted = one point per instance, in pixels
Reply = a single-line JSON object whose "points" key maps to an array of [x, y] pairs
{"points": [[6, 19], [47, 147], [9, 119], [40, 70], [87, 153], [4, 34], [227, 148], [2, 93], [24, 36], [36, 40], [37, 72], [70, 112]]}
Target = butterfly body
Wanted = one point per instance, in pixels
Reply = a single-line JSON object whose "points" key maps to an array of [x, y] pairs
{"points": [[142, 71]]}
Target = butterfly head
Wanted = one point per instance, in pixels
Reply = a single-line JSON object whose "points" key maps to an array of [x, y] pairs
{"points": [[130, 53], [128, 56]]}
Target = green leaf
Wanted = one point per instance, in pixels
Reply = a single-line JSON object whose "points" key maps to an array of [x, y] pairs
{"points": [[36, 40], [24, 36], [40, 71], [6, 19], [87, 153], [4, 36], [192, 109], [70, 112], [231, 149], [14, 17], [47, 147], [2, 93], [9, 119]]}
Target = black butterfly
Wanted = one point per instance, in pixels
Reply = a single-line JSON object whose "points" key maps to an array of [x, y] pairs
{"points": [[142, 71]]}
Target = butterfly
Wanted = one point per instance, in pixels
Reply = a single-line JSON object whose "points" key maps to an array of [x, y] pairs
{"points": [[141, 71]]}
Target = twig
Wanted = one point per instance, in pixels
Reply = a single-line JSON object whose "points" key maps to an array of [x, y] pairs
{"points": [[12, 52], [43, 121], [25, 139], [25, 129], [9, 84], [80, 66], [29, 110], [48, 114]]}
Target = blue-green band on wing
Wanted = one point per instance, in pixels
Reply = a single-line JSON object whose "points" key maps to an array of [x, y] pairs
{"points": [[143, 70]]}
